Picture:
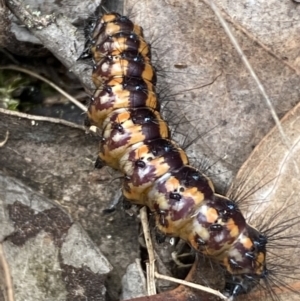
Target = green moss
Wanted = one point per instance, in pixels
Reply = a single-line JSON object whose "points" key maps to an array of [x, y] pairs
{"points": [[10, 83]]}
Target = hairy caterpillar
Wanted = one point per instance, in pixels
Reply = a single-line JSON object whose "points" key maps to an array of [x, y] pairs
{"points": [[136, 141]]}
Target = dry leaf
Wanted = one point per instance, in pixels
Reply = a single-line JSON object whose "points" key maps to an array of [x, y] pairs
{"points": [[275, 205]]}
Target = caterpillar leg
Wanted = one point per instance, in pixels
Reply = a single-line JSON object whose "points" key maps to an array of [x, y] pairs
{"points": [[160, 237], [177, 259], [99, 163], [126, 204]]}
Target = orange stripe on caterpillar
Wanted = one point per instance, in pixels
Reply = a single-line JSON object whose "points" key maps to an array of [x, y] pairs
{"points": [[119, 42], [177, 196], [136, 141], [129, 65], [121, 92], [111, 24], [125, 127], [145, 162], [104, 28]]}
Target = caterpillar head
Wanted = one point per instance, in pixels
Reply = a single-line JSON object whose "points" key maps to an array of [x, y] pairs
{"points": [[219, 231], [104, 27], [245, 262]]}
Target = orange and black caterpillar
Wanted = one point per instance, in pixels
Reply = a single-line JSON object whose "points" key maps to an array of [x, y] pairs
{"points": [[136, 141]]}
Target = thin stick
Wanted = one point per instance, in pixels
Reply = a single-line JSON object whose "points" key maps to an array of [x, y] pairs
{"points": [[151, 288], [236, 45], [61, 91], [2, 143], [178, 262], [41, 118], [7, 276], [193, 285], [141, 272]]}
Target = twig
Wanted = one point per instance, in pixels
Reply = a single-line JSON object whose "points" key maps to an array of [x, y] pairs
{"points": [[151, 288], [41, 118], [7, 276], [247, 64], [178, 262], [54, 86], [2, 143], [193, 285]]}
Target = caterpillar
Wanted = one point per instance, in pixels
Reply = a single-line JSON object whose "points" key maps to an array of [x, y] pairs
{"points": [[136, 140]]}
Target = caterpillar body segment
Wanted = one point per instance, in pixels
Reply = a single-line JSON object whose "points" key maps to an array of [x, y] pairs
{"points": [[120, 42], [125, 127], [106, 27], [129, 64], [147, 162], [110, 25], [121, 92]]}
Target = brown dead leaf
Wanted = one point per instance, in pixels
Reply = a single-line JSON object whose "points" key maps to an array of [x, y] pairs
{"points": [[264, 20], [275, 169]]}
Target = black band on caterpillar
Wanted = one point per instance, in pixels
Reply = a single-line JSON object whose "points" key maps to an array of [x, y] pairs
{"points": [[136, 141], [107, 27], [122, 92]]}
